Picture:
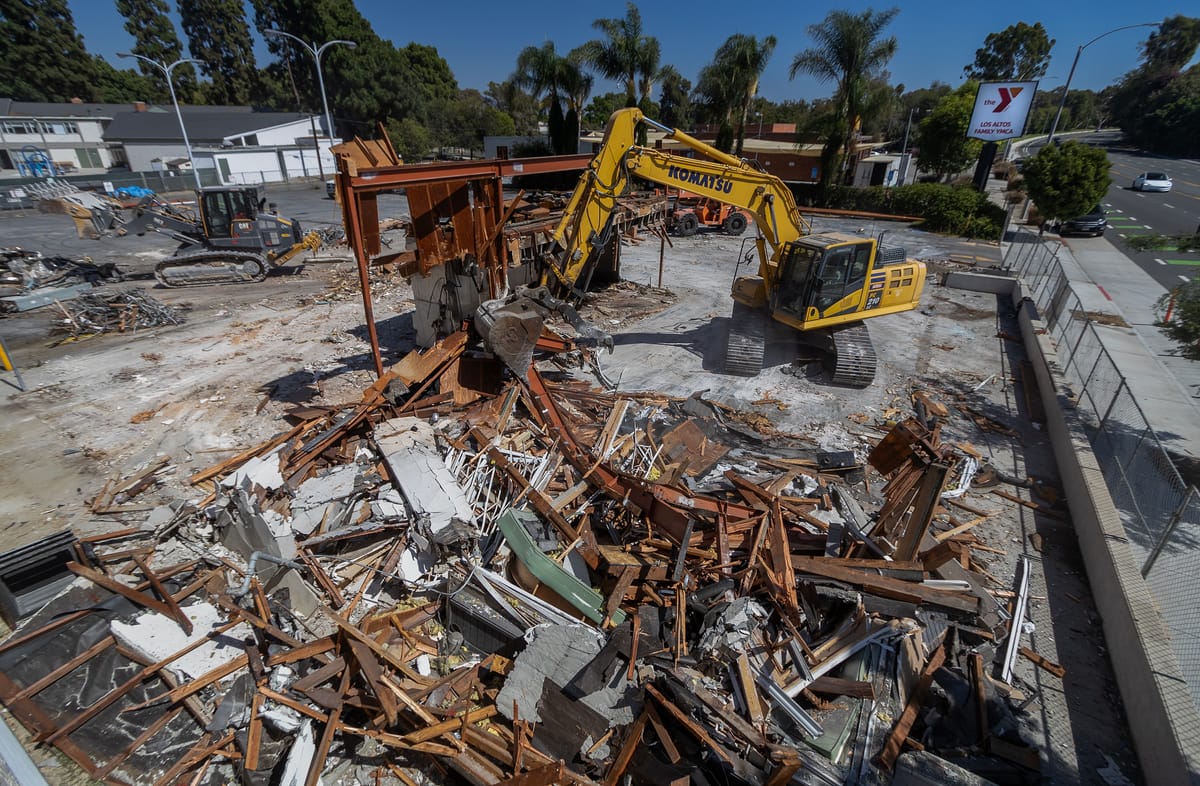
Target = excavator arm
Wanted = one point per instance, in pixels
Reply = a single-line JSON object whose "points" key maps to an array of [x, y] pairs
{"points": [[586, 224]]}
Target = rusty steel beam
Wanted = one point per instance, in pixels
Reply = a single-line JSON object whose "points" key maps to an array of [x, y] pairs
{"points": [[389, 177]]}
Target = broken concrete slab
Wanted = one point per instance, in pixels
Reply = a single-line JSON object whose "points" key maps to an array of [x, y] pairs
{"points": [[434, 497], [157, 637]]}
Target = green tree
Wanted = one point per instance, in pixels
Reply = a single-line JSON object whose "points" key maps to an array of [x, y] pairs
{"points": [[516, 103], [601, 108], [371, 83], [42, 56], [675, 101], [219, 37], [155, 37], [467, 119], [715, 97], [742, 59], [851, 53], [915, 104], [577, 86], [1018, 52], [410, 139], [1173, 45], [942, 138], [1066, 180], [1155, 105], [1184, 326], [121, 86]]}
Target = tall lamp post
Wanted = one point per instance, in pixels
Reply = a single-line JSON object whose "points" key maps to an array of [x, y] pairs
{"points": [[1075, 62], [904, 149], [316, 52], [166, 69]]}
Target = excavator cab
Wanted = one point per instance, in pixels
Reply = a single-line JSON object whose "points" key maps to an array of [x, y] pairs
{"points": [[830, 280], [821, 278]]}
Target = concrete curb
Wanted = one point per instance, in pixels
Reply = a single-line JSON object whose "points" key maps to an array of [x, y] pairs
{"points": [[1162, 715]]}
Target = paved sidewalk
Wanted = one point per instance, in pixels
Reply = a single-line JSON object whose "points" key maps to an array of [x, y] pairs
{"points": [[1165, 385]]}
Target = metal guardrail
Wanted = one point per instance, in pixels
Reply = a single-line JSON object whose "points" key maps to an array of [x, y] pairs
{"points": [[1159, 510]]}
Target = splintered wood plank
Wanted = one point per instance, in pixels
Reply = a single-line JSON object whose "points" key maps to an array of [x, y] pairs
{"points": [[696, 729], [331, 727], [254, 733], [176, 613], [416, 366], [632, 740], [895, 741], [373, 672], [625, 580], [745, 677], [129, 593], [883, 586]]}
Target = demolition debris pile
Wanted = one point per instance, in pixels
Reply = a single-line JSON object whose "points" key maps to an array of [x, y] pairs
{"points": [[531, 583]]}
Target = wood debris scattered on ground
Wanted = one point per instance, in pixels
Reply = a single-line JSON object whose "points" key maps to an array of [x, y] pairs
{"points": [[533, 582]]}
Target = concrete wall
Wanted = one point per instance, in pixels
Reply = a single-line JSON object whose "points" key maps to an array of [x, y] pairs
{"points": [[1162, 715]]}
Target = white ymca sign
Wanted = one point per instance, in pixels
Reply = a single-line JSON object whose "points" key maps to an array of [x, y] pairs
{"points": [[1000, 110]]}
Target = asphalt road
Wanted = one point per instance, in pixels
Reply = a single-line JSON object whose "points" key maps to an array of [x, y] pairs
{"points": [[1149, 213]]}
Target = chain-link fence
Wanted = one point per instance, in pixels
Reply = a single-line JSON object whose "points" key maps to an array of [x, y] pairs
{"points": [[1160, 512]]}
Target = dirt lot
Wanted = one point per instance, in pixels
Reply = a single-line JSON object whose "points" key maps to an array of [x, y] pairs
{"points": [[103, 407]]}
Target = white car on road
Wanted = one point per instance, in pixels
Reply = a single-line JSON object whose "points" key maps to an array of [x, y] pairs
{"points": [[1152, 181]]}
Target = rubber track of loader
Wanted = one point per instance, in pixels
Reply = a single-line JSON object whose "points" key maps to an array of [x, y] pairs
{"points": [[212, 268]]}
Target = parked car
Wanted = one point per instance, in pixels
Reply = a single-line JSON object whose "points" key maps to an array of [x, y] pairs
{"points": [[1152, 181], [1094, 224], [330, 188]]}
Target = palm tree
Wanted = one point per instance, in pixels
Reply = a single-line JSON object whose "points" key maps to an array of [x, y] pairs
{"points": [[540, 70], [577, 86], [626, 55], [717, 97], [850, 53], [743, 58]]}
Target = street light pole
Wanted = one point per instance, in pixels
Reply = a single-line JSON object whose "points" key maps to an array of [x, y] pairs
{"points": [[1075, 62], [904, 148], [166, 69], [316, 52]]}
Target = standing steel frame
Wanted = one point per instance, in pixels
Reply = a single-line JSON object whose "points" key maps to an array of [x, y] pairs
{"points": [[367, 169]]}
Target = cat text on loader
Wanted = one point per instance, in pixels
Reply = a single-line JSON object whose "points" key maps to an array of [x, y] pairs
{"points": [[230, 239], [823, 286]]}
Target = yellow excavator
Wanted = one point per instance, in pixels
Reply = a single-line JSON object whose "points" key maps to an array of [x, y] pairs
{"points": [[822, 285]]}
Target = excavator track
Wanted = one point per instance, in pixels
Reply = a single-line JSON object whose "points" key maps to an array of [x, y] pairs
{"points": [[212, 268], [747, 341], [854, 356]]}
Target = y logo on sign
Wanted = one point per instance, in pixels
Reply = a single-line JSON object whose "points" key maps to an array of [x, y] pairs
{"points": [[1007, 94]]}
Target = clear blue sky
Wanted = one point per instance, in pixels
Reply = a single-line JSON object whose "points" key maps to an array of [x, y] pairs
{"points": [[480, 40]]}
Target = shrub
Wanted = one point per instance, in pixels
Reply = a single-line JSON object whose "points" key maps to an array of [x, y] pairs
{"points": [[951, 209]]}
